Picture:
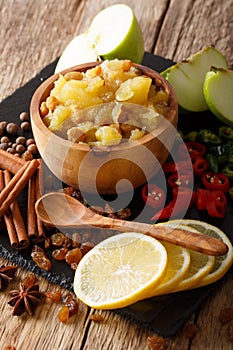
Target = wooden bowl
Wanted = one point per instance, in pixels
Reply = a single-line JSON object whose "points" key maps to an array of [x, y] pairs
{"points": [[101, 168]]}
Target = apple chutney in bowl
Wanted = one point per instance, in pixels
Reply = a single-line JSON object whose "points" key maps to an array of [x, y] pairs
{"points": [[112, 120]]}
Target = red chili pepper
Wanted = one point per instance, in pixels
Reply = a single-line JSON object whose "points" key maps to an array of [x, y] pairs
{"points": [[182, 180], [216, 181], [202, 198], [185, 191], [153, 196], [193, 148], [196, 148], [199, 165], [172, 167], [174, 208], [217, 204]]}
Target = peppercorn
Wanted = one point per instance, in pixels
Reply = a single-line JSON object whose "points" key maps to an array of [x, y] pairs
{"points": [[5, 139], [3, 125], [12, 128], [25, 126], [21, 140], [24, 117], [33, 148]]}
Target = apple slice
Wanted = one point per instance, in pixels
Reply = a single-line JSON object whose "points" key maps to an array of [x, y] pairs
{"points": [[187, 77], [114, 33], [218, 92]]}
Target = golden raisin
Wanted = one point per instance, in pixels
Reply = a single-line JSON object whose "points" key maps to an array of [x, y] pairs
{"points": [[96, 318], [63, 314], [73, 76], [73, 256], [57, 239], [54, 295], [41, 260], [29, 280], [86, 247], [157, 342], [60, 254], [52, 102]]}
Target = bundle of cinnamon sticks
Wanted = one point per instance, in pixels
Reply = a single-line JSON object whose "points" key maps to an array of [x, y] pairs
{"points": [[17, 174]]}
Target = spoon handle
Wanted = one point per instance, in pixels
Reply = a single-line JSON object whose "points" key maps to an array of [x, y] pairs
{"points": [[188, 239]]}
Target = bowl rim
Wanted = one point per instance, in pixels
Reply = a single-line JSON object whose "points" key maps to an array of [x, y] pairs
{"points": [[40, 95]]}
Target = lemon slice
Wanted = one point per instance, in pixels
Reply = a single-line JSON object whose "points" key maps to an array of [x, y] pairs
{"points": [[123, 93], [222, 263], [177, 266], [120, 271]]}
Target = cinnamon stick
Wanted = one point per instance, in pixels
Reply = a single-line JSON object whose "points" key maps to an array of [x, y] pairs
{"points": [[8, 219], [10, 162], [31, 213], [39, 176], [16, 185], [22, 236]]}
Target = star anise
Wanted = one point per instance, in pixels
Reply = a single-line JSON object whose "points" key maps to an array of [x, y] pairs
{"points": [[25, 299], [7, 273]]}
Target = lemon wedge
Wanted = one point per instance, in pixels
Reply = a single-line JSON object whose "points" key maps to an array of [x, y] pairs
{"points": [[120, 271], [221, 264], [177, 267]]}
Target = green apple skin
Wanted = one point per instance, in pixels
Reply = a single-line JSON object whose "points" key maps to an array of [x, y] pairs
{"points": [[116, 33], [187, 77], [131, 48], [218, 92], [113, 33]]}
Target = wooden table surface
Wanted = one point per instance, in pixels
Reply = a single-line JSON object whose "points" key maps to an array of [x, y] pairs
{"points": [[32, 34]]}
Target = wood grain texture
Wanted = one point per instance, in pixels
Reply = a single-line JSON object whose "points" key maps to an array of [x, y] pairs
{"points": [[32, 34]]}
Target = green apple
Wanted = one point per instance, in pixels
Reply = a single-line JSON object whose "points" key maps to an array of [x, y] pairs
{"points": [[187, 77], [218, 92], [114, 33]]}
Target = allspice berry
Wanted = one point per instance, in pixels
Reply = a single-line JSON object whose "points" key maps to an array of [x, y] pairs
{"points": [[12, 128], [25, 126]]}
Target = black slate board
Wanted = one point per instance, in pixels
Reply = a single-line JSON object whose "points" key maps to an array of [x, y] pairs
{"points": [[165, 314]]}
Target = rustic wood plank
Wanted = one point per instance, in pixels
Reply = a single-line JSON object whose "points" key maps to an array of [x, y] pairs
{"points": [[34, 33], [191, 25]]}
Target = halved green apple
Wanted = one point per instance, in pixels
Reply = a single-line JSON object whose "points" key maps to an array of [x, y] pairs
{"points": [[187, 77], [218, 92], [114, 33]]}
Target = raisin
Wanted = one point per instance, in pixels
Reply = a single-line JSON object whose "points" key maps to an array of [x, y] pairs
{"points": [[73, 307], [57, 239], [86, 247], [96, 318], [73, 256], [37, 248], [47, 243], [54, 295], [60, 254], [156, 342], [29, 280], [10, 347], [41, 260], [63, 314], [67, 242], [76, 239], [124, 213]]}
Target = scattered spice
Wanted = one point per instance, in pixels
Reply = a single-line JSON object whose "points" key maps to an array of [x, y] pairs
{"points": [[40, 258], [25, 299], [157, 342], [9, 347], [63, 314], [96, 318], [54, 295], [7, 274]]}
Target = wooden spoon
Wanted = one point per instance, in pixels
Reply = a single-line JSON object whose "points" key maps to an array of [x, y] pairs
{"points": [[60, 210]]}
